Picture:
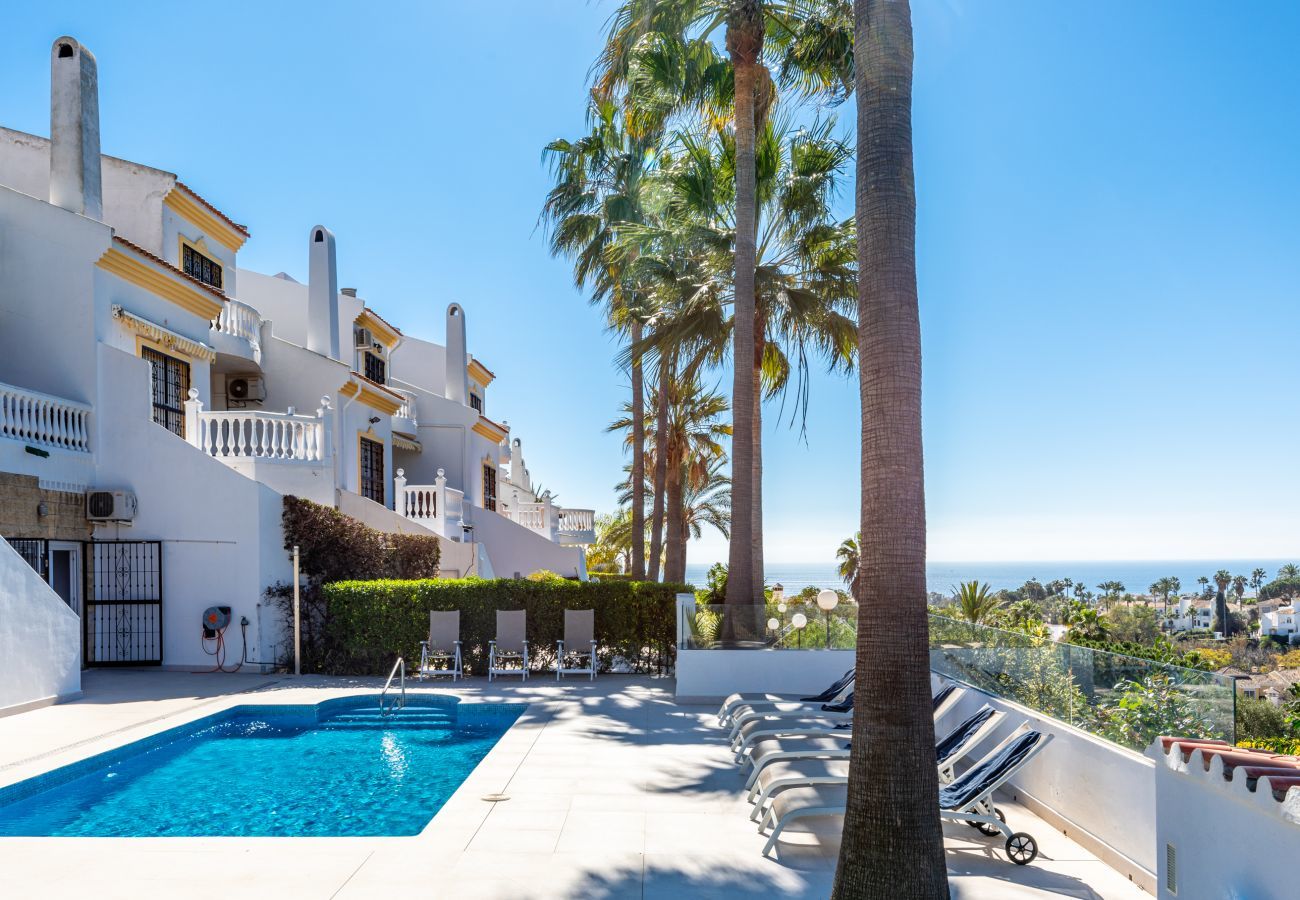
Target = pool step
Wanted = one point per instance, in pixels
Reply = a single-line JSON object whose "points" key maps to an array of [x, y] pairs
{"points": [[410, 717]]}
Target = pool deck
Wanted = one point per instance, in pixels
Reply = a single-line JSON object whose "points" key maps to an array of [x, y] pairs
{"points": [[615, 790]]}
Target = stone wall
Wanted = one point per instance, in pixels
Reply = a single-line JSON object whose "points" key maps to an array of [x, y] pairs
{"points": [[20, 500]]}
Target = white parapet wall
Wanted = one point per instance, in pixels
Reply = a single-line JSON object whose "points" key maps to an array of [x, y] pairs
{"points": [[1218, 837], [1095, 791], [40, 639]]}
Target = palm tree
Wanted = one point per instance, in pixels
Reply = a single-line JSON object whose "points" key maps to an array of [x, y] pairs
{"points": [[1290, 570], [975, 602], [706, 501], [1164, 587], [659, 53], [597, 190], [1239, 588], [1111, 590], [1222, 579], [1257, 579], [850, 562], [892, 845]]}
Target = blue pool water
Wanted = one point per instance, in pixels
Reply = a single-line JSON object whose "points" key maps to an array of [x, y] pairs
{"points": [[335, 769]]}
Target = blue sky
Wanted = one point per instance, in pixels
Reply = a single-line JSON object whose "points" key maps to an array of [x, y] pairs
{"points": [[1108, 242]]}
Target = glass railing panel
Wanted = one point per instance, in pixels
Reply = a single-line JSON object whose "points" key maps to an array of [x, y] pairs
{"points": [[762, 626]]}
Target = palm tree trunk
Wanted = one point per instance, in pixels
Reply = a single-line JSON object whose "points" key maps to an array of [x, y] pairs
{"points": [[745, 44], [675, 541], [892, 844], [638, 460], [757, 539], [661, 472]]}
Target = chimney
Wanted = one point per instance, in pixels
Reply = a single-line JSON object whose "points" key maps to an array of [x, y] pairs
{"points": [[74, 130], [323, 294], [457, 374], [349, 292], [518, 473]]}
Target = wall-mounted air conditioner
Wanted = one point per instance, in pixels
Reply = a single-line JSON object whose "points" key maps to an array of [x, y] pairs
{"points": [[245, 388], [110, 506]]}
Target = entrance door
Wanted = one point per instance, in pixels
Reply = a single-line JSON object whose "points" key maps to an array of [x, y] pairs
{"points": [[65, 573]]}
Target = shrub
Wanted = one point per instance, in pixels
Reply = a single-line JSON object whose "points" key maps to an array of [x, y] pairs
{"points": [[367, 623], [1289, 660], [1285, 588], [609, 576], [1284, 746], [1259, 719]]}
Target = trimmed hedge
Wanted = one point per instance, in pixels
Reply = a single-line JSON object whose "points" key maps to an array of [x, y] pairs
{"points": [[610, 576], [369, 623]]}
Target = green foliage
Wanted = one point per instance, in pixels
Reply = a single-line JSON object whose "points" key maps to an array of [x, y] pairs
{"points": [[1284, 588], [368, 623], [1160, 650], [332, 546], [1259, 719], [1285, 745], [610, 576], [1148, 708], [1133, 623], [974, 602], [716, 591]]}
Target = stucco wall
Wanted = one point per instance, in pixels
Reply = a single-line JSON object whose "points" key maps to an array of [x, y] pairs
{"points": [[40, 637], [512, 548]]}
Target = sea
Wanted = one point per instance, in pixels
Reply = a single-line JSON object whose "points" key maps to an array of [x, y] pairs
{"points": [[942, 577]]}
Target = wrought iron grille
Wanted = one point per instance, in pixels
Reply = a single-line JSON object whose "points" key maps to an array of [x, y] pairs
{"points": [[171, 385], [199, 266], [123, 608], [36, 552], [372, 470], [490, 487], [376, 368], [476, 402]]}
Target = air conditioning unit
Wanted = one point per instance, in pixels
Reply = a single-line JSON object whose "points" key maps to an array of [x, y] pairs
{"points": [[110, 506], [362, 338], [245, 387]]}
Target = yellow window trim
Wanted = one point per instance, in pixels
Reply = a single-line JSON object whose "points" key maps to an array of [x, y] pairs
{"points": [[378, 400], [386, 334], [369, 435], [149, 334], [199, 246], [480, 373], [189, 209], [173, 288]]}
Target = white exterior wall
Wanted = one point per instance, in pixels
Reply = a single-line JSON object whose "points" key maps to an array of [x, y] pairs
{"points": [[40, 638], [512, 548], [1227, 840], [174, 228]]}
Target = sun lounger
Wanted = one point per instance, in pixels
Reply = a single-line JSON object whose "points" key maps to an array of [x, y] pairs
{"points": [[756, 701], [842, 705], [440, 654], [968, 799], [579, 643], [825, 725], [508, 654]]}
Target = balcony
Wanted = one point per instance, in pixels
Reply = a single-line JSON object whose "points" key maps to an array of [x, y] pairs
{"points": [[404, 421], [435, 506], [575, 526], [237, 331], [555, 523], [45, 436]]}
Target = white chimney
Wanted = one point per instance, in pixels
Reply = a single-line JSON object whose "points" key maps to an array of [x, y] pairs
{"points": [[518, 472], [74, 130], [323, 294], [457, 372]]}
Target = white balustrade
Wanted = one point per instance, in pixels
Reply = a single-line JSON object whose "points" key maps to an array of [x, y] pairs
{"points": [[240, 320], [36, 418], [577, 519], [419, 501], [529, 515], [435, 506], [407, 409], [232, 435]]}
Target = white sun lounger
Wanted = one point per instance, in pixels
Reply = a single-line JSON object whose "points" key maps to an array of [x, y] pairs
{"points": [[579, 642], [737, 703], [839, 706], [440, 654], [968, 799], [508, 654]]}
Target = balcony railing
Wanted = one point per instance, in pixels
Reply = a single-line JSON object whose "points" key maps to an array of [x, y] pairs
{"points": [[577, 520], [239, 320], [43, 420], [235, 435], [407, 409], [435, 506]]}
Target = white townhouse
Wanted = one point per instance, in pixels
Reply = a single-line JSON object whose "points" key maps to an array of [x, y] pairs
{"points": [[157, 402], [1279, 622], [1193, 614]]}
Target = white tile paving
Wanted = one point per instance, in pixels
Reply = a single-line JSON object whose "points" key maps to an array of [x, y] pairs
{"points": [[615, 791]]}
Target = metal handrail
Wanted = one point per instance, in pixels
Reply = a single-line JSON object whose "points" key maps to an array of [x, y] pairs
{"points": [[400, 701]]}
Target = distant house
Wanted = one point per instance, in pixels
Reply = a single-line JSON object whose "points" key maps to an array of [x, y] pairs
{"points": [[1280, 622], [1192, 615], [1272, 686]]}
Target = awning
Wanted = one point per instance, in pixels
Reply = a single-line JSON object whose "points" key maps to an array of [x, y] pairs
{"points": [[405, 443], [165, 336]]}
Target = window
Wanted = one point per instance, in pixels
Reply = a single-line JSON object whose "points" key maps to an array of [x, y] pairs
{"points": [[490, 487], [372, 470], [375, 368], [199, 266], [477, 402], [171, 386]]}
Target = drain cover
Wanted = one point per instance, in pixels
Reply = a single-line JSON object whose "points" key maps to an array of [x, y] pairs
{"points": [[495, 798]]}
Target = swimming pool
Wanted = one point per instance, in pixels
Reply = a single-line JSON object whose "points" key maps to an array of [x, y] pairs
{"points": [[338, 768]]}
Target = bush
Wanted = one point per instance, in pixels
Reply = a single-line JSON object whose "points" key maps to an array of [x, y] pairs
{"points": [[367, 623], [1259, 719], [609, 576], [1284, 746]]}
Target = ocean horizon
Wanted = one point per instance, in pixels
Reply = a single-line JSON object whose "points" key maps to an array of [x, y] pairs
{"points": [[942, 576]]}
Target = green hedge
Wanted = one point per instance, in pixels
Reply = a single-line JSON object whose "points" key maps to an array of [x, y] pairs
{"points": [[369, 623], [609, 576]]}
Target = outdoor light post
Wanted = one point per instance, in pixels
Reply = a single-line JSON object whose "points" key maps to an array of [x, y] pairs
{"points": [[778, 597], [799, 620], [827, 600]]}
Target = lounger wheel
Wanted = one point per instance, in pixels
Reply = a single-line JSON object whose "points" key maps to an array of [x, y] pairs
{"points": [[988, 827], [1022, 849]]}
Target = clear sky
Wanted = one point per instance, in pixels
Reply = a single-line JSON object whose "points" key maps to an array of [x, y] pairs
{"points": [[1109, 242]]}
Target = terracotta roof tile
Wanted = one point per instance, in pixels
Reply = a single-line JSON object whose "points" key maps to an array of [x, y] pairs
{"points": [[242, 229]]}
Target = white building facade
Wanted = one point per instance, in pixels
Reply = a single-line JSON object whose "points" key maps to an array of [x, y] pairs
{"points": [[175, 399]]}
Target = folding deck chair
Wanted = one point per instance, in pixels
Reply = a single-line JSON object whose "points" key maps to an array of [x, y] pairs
{"points": [[442, 647], [739, 703], [508, 654], [579, 642]]}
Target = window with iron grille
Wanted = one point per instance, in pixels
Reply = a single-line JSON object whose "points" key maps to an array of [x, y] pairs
{"points": [[171, 386], [199, 266], [372, 470], [490, 487], [477, 402], [375, 368]]}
